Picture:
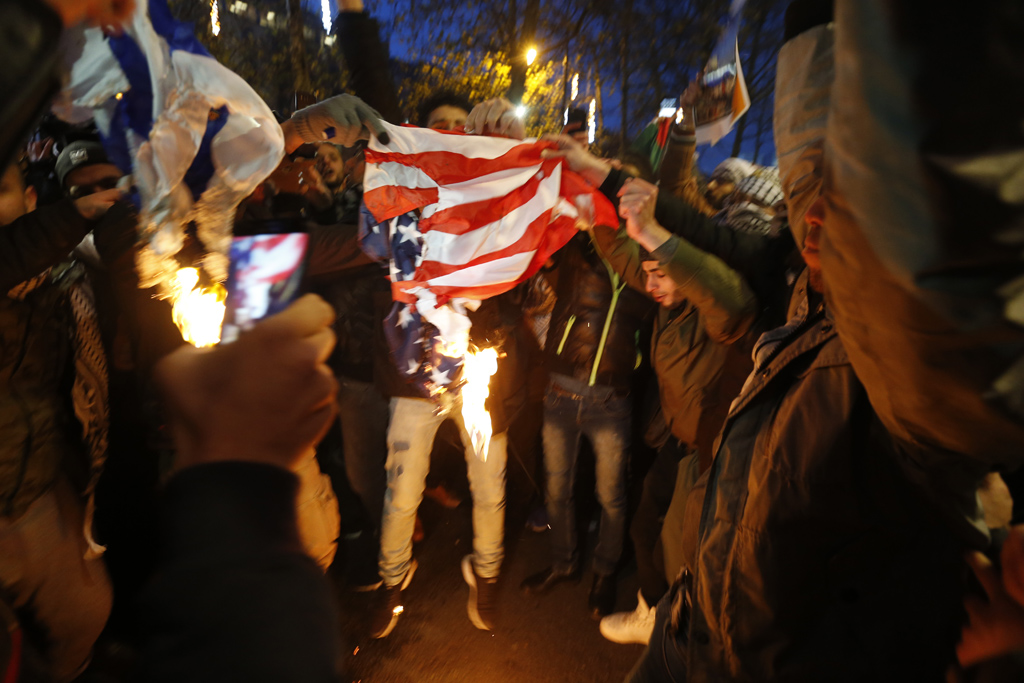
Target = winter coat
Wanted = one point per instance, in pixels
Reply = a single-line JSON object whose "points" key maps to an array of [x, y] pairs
{"points": [[827, 538], [37, 438], [594, 326], [37, 427], [700, 349], [811, 556]]}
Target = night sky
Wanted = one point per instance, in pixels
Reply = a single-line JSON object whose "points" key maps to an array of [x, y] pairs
{"points": [[708, 156]]}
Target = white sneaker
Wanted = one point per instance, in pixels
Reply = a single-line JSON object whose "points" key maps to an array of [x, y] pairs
{"points": [[630, 627]]}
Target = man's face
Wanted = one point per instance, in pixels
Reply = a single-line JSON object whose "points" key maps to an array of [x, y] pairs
{"points": [[661, 287], [15, 199], [719, 191], [815, 219], [447, 117], [330, 165], [91, 179]]}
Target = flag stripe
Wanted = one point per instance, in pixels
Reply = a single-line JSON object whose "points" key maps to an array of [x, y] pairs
{"points": [[447, 167], [526, 244], [464, 219]]}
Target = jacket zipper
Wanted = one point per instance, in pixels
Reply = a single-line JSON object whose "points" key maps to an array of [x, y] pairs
{"points": [[565, 335], [617, 288]]}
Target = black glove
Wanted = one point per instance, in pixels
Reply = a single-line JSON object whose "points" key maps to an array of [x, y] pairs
{"points": [[342, 120]]}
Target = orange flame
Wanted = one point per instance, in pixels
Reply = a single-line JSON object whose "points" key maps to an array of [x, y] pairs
{"points": [[197, 311], [477, 371]]}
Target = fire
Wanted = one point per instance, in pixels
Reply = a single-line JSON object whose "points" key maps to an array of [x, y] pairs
{"points": [[197, 311], [477, 371]]}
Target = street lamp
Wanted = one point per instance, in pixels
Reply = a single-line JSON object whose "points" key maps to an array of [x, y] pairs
{"points": [[215, 18], [531, 55]]}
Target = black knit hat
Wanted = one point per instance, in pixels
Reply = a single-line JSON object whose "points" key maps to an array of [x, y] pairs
{"points": [[803, 15]]}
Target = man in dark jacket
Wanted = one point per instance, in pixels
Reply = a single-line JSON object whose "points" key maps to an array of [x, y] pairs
{"points": [[700, 349], [591, 353], [825, 542], [50, 570]]}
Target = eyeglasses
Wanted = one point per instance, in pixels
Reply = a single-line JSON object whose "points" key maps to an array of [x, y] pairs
{"points": [[79, 191]]}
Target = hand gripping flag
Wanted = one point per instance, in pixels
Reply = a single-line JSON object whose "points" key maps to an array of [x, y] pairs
{"points": [[195, 136], [490, 211]]}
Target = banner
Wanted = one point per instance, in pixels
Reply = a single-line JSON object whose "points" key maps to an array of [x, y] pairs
{"points": [[724, 97]]}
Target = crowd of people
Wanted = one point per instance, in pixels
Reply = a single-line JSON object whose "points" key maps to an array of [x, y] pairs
{"points": [[833, 345]]}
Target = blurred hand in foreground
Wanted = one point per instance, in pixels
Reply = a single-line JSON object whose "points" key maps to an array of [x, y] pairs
{"points": [[267, 397], [995, 627]]}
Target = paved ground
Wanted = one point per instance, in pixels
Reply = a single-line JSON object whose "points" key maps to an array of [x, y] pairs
{"points": [[549, 639]]}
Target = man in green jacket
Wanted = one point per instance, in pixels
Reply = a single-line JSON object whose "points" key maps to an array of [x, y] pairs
{"points": [[708, 318]]}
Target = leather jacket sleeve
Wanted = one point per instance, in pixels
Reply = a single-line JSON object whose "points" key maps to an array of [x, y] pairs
{"points": [[366, 56], [676, 173], [38, 240]]}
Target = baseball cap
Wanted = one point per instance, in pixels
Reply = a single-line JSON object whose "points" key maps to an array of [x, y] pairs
{"points": [[78, 154]]}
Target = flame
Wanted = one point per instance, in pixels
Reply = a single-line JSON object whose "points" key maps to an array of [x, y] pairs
{"points": [[477, 371], [197, 311]]}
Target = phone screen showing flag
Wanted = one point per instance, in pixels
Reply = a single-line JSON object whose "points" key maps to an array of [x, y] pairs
{"points": [[264, 278]]}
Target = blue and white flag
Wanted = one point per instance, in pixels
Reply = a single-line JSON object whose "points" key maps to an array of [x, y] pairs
{"points": [[196, 138]]}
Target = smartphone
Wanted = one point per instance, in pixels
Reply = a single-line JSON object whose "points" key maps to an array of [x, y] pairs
{"points": [[265, 275]]}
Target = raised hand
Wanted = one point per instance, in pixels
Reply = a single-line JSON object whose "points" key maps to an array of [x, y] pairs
{"points": [[496, 116], [267, 397], [342, 120]]}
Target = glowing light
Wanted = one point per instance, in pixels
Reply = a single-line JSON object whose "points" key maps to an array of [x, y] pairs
{"points": [[118, 96], [270, 16], [565, 118], [531, 54], [197, 311], [520, 111], [679, 115], [575, 87], [330, 40], [477, 371], [214, 18], [325, 10], [592, 122], [398, 610]]}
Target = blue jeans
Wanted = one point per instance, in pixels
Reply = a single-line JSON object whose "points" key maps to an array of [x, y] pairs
{"points": [[664, 660], [363, 413], [414, 423], [573, 409]]}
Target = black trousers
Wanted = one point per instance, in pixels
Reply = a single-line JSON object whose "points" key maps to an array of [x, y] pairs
{"points": [[659, 485]]}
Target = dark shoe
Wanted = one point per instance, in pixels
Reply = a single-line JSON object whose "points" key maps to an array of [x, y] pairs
{"points": [[390, 606], [483, 596], [363, 576], [542, 582], [602, 596], [538, 521], [385, 615]]}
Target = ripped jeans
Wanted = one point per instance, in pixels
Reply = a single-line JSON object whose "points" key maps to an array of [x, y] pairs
{"points": [[414, 423]]}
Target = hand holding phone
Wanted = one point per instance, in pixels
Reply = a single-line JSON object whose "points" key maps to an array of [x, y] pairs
{"points": [[264, 277]]}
